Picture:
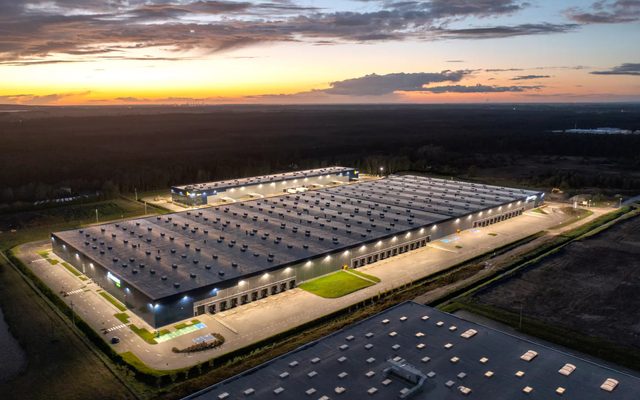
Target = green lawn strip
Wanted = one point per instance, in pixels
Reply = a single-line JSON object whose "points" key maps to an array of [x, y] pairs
{"points": [[43, 254], [138, 364], [367, 276], [122, 317], [83, 278], [492, 234], [539, 210], [113, 301], [335, 285], [144, 334], [52, 262], [185, 324], [163, 332], [71, 269]]}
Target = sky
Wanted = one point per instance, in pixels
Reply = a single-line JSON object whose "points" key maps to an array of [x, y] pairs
{"points": [[106, 52]]}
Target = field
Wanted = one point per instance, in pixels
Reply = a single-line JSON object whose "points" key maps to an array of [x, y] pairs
{"points": [[59, 364], [339, 284], [28, 226], [585, 295]]}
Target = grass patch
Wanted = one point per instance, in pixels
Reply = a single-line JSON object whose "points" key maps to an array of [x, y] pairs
{"points": [[539, 211], [83, 278], [575, 214], [335, 285], [138, 364], [52, 262], [458, 246], [113, 301], [43, 254], [71, 269], [144, 334], [185, 324], [163, 332], [366, 276], [492, 234], [122, 317], [38, 224]]}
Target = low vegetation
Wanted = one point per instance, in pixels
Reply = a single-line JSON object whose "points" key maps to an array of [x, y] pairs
{"points": [[113, 301], [339, 284], [186, 324], [122, 317], [144, 334], [70, 268]]}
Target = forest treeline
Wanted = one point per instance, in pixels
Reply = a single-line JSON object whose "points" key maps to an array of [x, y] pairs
{"points": [[45, 154]]}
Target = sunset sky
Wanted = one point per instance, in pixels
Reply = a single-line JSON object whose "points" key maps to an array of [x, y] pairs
{"points": [[56, 52]]}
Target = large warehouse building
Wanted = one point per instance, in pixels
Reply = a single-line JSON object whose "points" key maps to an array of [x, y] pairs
{"points": [[172, 267], [416, 352], [261, 186]]}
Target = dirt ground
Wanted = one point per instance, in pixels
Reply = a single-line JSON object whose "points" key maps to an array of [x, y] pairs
{"points": [[592, 286], [59, 365]]}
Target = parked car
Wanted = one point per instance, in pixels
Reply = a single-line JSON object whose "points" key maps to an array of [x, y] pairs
{"points": [[115, 340]]}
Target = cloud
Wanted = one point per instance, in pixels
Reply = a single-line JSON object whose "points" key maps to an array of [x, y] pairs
{"points": [[377, 85], [32, 99], [606, 12], [624, 69], [37, 30], [496, 32], [479, 89], [528, 77]]}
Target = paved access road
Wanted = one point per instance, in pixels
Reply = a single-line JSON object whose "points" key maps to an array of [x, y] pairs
{"points": [[264, 318]]}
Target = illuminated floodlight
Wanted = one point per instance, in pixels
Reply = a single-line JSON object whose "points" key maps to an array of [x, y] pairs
{"points": [[434, 227], [457, 220], [327, 258], [421, 230], [241, 283], [363, 248], [346, 253], [308, 263]]}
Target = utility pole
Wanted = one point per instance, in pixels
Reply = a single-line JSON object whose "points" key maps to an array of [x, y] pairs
{"points": [[135, 191], [145, 208], [97, 220]]}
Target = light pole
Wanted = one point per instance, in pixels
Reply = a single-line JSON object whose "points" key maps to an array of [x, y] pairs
{"points": [[135, 191], [381, 170], [97, 220]]}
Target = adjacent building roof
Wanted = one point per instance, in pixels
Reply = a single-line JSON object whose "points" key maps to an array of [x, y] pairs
{"points": [[416, 352], [256, 180], [174, 253]]}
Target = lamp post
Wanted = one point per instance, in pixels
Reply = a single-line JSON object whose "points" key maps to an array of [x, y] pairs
{"points": [[381, 170]]}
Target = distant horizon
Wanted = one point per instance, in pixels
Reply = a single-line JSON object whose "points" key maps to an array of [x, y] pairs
{"points": [[88, 52]]}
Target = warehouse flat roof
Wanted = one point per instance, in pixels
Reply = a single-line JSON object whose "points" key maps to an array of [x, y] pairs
{"points": [[417, 352], [174, 253], [256, 180]]}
